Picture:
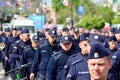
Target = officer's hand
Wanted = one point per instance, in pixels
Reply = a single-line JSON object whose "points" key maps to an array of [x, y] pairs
{"points": [[32, 76], [6, 58]]}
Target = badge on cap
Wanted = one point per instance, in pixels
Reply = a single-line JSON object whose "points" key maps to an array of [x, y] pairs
{"points": [[53, 32], [36, 37], [96, 55], [66, 38], [76, 30], [86, 38], [96, 37]]}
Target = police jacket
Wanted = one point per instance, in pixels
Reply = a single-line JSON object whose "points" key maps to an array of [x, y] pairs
{"points": [[114, 73], [79, 69], [5, 51], [27, 56], [56, 64], [18, 48], [42, 57]]}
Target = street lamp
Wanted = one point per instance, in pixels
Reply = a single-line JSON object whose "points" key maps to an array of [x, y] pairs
{"points": [[71, 10]]}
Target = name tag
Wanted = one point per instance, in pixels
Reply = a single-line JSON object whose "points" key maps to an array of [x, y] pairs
{"points": [[43, 51], [85, 72]]}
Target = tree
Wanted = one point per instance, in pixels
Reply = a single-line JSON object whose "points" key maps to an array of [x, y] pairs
{"points": [[106, 13], [92, 22], [116, 20]]}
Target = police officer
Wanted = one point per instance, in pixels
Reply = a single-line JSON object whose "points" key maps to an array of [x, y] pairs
{"points": [[115, 70], [99, 63], [76, 39], [5, 51], [117, 35], [43, 55], [14, 37], [58, 59], [65, 31], [76, 67], [18, 49], [28, 54], [1, 36], [112, 45]]}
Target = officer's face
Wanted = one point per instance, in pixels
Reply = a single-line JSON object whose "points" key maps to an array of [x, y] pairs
{"points": [[65, 33], [66, 46], [25, 36], [99, 68], [76, 35], [51, 39], [8, 33], [112, 45], [1, 32], [85, 47], [35, 44], [14, 32], [118, 37]]}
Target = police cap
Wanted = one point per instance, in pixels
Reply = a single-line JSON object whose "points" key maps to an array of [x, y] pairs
{"points": [[35, 38], [7, 30], [24, 31], [98, 51], [84, 37], [52, 32], [65, 29], [112, 38], [65, 39]]}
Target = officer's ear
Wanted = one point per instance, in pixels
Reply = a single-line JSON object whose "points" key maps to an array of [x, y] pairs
{"points": [[60, 44], [79, 44]]}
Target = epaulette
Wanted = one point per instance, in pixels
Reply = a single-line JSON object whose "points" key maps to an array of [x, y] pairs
{"points": [[18, 41], [73, 55], [118, 49], [56, 55], [77, 61], [42, 45], [27, 48]]}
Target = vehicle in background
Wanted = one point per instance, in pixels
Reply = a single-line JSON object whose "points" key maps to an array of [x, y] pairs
{"points": [[22, 22], [6, 25], [117, 26]]}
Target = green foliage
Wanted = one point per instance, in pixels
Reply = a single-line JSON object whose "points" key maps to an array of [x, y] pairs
{"points": [[92, 22], [94, 16], [106, 13], [62, 17], [116, 20], [57, 5]]}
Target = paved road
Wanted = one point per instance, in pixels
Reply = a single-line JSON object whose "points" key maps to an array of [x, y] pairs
{"points": [[2, 77]]}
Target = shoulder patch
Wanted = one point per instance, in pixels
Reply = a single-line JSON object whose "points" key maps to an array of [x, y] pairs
{"points": [[18, 41], [42, 45], [114, 57], [27, 48], [118, 49], [75, 62], [56, 55], [73, 55]]}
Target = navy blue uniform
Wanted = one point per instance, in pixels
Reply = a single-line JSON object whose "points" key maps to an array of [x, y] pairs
{"points": [[68, 65], [27, 57], [16, 54], [115, 71], [12, 40], [79, 69], [42, 57], [1, 36], [56, 64], [5, 53]]}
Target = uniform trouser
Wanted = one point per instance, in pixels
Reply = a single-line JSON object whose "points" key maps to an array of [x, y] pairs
{"points": [[6, 65], [40, 76], [0, 56], [12, 66]]}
